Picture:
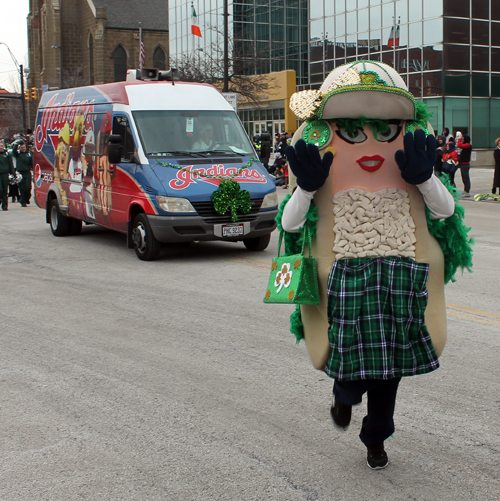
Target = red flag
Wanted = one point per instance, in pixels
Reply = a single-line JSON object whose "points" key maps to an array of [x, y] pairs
{"points": [[394, 37], [195, 29]]}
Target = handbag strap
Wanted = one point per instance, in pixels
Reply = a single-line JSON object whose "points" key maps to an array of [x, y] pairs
{"points": [[306, 239]]}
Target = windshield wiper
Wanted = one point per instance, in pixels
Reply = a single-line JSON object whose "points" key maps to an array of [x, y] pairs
{"points": [[178, 153], [220, 152]]}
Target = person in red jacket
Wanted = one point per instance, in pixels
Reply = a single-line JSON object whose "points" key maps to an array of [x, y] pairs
{"points": [[464, 162], [450, 154]]}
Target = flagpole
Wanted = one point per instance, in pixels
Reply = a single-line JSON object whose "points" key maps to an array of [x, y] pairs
{"points": [[140, 46], [226, 49], [394, 42]]}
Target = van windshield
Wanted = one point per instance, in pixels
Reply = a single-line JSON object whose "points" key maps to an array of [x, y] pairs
{"points": [[192, 133]]}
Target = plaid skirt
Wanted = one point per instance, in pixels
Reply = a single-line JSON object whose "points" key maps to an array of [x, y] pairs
{"points": [[376, 313]]}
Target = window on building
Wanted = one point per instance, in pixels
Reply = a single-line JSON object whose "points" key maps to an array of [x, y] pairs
{"points": [[120, 64], [91, 59], [481, 9], [159, 59], [480, 32], [458, 8], [456, 30]]}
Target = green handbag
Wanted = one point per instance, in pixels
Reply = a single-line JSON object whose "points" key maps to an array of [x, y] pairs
{"points": [[294, 279]]}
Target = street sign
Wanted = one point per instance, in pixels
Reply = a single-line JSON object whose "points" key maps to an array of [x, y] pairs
{"points": [[232, 99]]}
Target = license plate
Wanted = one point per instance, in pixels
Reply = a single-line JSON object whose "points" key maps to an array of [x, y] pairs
{"points": [[232, 231]]}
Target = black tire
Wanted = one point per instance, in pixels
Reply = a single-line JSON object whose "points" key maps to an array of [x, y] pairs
{"points": [[60, 225], [257, 243], [145, 244], [75, 226]]}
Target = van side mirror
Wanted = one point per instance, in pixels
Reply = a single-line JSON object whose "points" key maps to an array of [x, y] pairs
{"points": [[115, 149]]}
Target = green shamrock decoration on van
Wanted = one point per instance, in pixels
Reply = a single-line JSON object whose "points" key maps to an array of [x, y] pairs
{"points": [[231, 197]]}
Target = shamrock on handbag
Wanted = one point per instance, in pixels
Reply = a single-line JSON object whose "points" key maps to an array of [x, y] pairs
{"points": [[294, 278]]}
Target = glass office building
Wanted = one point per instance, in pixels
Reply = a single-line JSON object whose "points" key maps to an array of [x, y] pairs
{"points": [[266, 35], [447, 51]]}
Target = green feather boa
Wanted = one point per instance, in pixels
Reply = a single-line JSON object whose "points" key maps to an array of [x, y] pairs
{"points": [[451, 233], [293, 245]]}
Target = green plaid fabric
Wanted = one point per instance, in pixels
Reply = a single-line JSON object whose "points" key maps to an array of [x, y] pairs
{"points": [[376, 314]]}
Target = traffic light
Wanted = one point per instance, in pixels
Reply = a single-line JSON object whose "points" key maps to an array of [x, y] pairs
{"points": [[34, 93], [27, 94]]}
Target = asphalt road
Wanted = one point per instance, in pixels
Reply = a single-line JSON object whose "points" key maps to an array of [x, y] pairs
{"points": [[171, 380]]}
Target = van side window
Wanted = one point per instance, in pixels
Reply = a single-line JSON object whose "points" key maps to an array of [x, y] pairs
{"points": [[121, 126]]}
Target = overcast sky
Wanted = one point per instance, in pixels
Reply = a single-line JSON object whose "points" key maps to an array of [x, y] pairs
{"points": [[13, 32]]}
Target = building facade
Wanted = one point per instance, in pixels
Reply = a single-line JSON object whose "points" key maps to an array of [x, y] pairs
{"points": [[447, 51], [11, 116], [266, 35], [83, 42]]}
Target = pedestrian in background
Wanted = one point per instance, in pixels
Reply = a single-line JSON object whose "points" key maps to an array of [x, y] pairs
{"points": [[465, 147], [440, 146], [447, 135], [24, 165], [496, 174], [6, 168], [450, 161]]}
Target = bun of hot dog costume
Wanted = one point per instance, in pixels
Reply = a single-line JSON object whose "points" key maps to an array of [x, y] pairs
{"points": [[381, 271]]}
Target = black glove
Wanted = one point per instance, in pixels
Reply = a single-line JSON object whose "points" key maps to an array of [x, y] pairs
{"points": [[417, 160], [309, 168]]}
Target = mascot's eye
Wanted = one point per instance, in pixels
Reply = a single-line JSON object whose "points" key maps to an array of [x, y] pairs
{"points": [[391, 134], [357, 136]]}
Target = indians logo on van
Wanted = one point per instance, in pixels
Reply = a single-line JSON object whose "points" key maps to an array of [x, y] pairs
{"points": [[188, 175], [56, 115]]}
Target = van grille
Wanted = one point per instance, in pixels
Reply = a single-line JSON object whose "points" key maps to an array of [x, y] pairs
{"points": [[207, 212]]}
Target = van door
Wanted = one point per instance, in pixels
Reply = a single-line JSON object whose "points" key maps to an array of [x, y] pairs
{"points": [[98, 173], [123, 184]]}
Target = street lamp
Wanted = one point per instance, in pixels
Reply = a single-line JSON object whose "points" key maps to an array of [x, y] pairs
{"points": [[60, 63], [20, 68]]}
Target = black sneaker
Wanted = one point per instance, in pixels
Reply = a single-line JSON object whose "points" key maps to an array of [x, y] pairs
{"points": [[341, 414], [377, 457]]}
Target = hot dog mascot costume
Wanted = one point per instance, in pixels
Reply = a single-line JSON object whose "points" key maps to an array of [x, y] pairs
{"points": [[363, 162]]}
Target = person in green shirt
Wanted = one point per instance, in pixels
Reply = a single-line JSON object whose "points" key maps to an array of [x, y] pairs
{"points": [[6, 168], [24, 164]]}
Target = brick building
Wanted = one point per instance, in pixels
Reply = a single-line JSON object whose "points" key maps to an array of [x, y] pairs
{"points": [[92, 41]]}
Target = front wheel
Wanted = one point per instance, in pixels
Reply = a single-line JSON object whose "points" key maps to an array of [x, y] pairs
{"points": [[146, 246], [257, 243], [60, 225]]}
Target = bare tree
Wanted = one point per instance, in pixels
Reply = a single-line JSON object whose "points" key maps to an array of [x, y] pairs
{"points": [[245, 70], [74, 77], [11, 118]]}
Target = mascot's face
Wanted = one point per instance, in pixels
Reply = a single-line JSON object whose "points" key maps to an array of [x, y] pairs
{"points": [[365, 160]]}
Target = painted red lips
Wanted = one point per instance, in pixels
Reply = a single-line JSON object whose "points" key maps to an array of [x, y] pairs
{"points": [[371, 164]]}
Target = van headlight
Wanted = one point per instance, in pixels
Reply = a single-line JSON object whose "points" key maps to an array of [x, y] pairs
{"points": [[270, 201], [174, 204]]}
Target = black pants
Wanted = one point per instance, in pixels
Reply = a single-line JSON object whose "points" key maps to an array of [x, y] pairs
{"points": [[378, 424], [464, 169]]}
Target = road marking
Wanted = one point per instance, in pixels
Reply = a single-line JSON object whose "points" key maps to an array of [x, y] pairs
{"points": [[470, 310], [465, 316]]}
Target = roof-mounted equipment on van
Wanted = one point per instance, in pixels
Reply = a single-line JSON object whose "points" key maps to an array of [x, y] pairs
{"points": [[148, 74]]}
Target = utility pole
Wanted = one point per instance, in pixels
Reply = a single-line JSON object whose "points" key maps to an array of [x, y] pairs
{"points": [[226, 49], [23, 102]]}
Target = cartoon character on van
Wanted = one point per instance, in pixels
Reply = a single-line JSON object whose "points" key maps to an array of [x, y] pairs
{"points": [[61, 161], [88, 165]]}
